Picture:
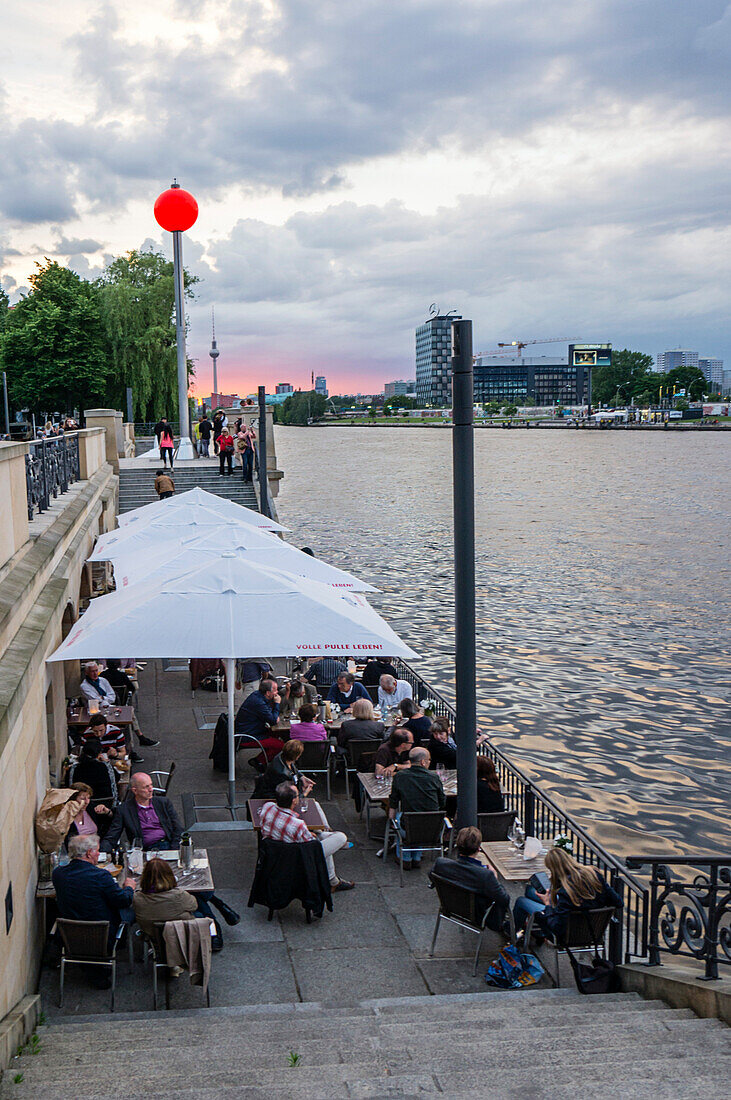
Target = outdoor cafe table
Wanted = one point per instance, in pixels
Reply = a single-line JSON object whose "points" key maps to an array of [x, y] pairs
{"points": [[199, 878], [313, 817], [508, 863], [377, 792], [116, 716]]}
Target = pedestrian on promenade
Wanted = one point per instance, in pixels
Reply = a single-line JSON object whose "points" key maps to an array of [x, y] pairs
{"points": [[164, 485], [205, 429], [225, 443], [166, 445], [217, 428], [247, 460]]}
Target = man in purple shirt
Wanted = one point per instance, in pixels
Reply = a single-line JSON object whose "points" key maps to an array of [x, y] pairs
{"points": [[149, 816]]}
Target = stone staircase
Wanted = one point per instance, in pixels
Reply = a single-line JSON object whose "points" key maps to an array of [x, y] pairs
{"points": [[528, 1043], [136, 483]]}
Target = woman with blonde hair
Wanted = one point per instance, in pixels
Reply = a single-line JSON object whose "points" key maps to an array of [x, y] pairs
{"points": [[574, 886], [363, 726]]}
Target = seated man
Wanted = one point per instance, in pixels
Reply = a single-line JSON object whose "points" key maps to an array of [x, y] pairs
{"points": [[415, 790], [87, 892], [394, 753], [95, 687], [111, 738], [345, 691], [324, 672], [116, 676], [296, 694], [391, 691], [467, 871], [150, 817], [257, 714], [376, 668], [280, 821]]}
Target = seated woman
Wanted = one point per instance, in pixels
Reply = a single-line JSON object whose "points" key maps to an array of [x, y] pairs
{"points": [[283, 769], [489, 795], [96, 772], [87, 822], [294, 695], [159, 898], [573, 887], [363, 726], [441, 746], [308, 729], [414, 719]]}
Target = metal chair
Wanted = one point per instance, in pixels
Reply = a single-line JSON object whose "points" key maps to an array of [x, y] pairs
{"points": [[492, 826], [585, 931], [123, 695], [372, 690], [155, 949], [458, 905], [86, 943], [419, 832], [248, 748], [353, 752], [316, 759], [161, 780]]}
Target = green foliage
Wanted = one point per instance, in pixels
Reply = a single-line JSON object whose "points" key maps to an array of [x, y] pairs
{"points": [[492, 408], [137, 296], [400, 401], [691, 379], [294, 1059], [300, 407], [18, 1078], [372, 411], [510, 410], [387, 410], [4, 308], [53, 345], [630, 372]]}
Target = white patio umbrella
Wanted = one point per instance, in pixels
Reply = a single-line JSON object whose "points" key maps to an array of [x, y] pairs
{"points": [[187, 505], [143, 557], [256, 610], [175, 525]]}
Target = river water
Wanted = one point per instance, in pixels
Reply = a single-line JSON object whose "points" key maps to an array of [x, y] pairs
{"points": [[602, 598]]}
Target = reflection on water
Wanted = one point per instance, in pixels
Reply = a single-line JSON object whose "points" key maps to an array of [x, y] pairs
{"points": [[602, 601]]}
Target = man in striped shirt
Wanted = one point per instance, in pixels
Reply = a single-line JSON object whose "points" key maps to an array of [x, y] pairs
{"points": [[325, 672], [280, 821]]}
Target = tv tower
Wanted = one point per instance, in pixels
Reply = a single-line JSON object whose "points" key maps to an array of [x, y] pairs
{"points": [[214, 352]]}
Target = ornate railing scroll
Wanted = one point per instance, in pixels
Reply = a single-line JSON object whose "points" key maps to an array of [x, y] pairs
{"points": [[51, 466]]}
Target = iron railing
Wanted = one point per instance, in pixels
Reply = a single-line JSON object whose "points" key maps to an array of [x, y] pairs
{"points": [[266, 505], [51, 465], [544, 819], [691, 918]]}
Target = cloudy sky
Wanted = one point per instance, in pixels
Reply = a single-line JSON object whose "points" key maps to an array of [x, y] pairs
{"points": [[548, 167]]}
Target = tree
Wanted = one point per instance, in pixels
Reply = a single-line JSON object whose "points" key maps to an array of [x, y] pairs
{"points": [[300, 407], [631, 370], [492, 408], [400, 401], [137, 295], [510, 410], [54, 345], [690, 379], [4, 308]]}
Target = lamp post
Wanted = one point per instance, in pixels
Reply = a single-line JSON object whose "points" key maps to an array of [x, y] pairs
{"points": [[176, 210], [463, 479]]}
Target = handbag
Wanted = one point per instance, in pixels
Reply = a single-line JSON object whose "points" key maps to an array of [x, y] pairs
{"points": [[598, 976], [513, 969]]}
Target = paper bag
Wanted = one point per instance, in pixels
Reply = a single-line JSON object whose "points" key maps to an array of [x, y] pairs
{"points": [[533, 847], [53, 820]]}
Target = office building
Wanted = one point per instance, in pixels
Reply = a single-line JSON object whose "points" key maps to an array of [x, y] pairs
{"points": [[284, 387], [678, 357], [713, 370], [399, 389], [321, 385], [434, 360], [539, 380]]}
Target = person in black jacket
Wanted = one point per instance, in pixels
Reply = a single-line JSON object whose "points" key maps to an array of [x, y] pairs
{"points": [[574, 886], [469, 872], [489, 795], [283, 769], [415, 720], [150, 817], [99, 775], [87, 892], [375, 669]]}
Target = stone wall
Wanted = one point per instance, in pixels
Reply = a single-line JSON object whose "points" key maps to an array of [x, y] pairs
{"points": [[41, 570]]}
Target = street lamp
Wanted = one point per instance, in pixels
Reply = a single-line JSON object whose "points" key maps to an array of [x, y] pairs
{"points": [[176, 210], [463, 487]]}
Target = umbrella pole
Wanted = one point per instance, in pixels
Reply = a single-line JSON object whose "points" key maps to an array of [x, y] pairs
{"points": [[230, 681]]}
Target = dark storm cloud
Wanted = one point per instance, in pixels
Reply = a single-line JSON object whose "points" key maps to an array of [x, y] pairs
{"points": [[341, 83]]}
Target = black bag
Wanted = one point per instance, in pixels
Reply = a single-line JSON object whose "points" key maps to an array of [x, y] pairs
{"points": [[598, 976]]}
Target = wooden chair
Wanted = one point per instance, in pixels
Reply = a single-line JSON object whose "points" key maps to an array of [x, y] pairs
{"points": [[316, 759], [161, 780], [417, 832], [585, 931], [458, 905], [86, 943]]}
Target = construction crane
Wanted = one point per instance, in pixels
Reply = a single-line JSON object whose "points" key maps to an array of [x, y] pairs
{"points": [[505, 348]]}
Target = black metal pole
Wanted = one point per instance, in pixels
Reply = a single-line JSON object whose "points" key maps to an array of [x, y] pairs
{"points": [[263, 480], [463, 479]]}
